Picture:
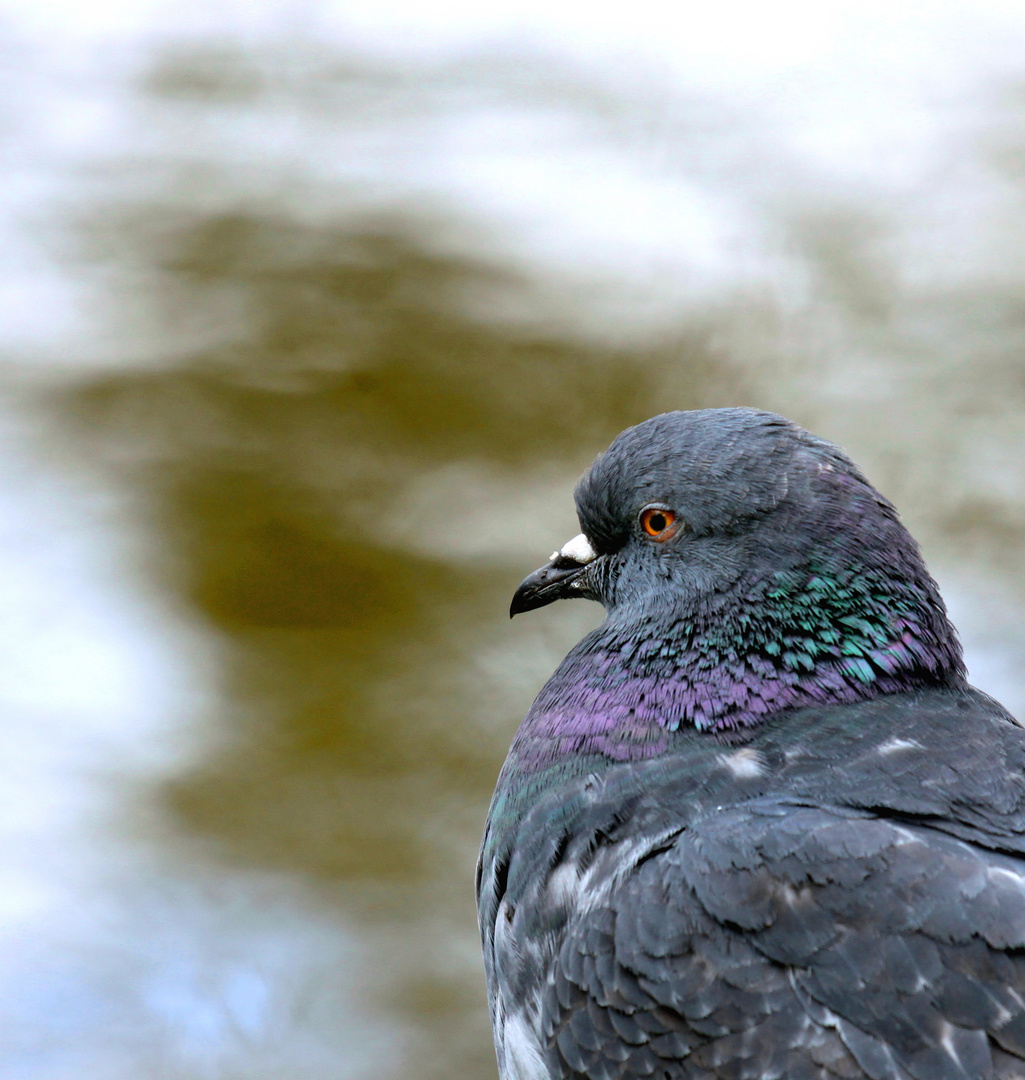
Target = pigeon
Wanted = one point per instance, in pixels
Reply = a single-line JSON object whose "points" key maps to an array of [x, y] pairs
{"points": [[757, 825]]}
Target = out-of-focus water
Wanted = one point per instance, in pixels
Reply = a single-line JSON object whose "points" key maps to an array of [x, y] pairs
{"points": [[307, 347]]}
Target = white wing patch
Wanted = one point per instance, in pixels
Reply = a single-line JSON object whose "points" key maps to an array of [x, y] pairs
{"points": [[744, 764], [521, 1059], [581, 890], [997, 872], [893, 746]]}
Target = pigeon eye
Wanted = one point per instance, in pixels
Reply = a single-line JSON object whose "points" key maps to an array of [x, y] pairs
{"points": [[658, 523]]}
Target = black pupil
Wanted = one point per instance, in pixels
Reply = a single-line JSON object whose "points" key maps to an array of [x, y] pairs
{"points": [[657, 522]]}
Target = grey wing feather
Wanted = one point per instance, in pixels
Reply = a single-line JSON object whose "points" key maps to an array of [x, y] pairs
{"points": [[781, 940]]}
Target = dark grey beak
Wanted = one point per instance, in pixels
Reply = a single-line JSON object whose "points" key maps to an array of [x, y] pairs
{"points": [[558, 579]]}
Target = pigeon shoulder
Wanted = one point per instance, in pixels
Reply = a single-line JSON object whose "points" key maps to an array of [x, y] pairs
{"points": [[777, 936], [863, 909], [657, 866]]}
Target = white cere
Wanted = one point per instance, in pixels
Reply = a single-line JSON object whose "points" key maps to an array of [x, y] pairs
{"points": [[578, 549]]}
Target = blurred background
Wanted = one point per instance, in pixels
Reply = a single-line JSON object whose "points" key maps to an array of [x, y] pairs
{"points": [[312, 315]]}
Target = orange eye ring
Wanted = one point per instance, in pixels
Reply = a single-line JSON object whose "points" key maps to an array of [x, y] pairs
{"points": [[659, 523]]}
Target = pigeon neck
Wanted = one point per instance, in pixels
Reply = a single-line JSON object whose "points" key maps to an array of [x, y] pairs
{"points": [[811, 635]]}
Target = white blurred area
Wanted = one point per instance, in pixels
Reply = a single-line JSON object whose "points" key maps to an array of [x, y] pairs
{"points": [[719, 149], [125, 949], [718, 124]]}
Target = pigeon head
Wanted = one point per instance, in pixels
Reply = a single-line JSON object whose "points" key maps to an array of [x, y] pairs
{"points": [[674, 508], [750, 566]]}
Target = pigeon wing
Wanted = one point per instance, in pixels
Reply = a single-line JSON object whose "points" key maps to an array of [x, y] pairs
{"points": [[775, 939]]}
